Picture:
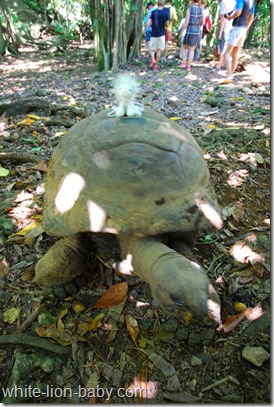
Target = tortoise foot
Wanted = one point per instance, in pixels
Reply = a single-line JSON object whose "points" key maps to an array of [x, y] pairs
{"points": [[63, 262]]}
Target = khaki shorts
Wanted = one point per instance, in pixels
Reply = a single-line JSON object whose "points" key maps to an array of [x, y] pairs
{"points": [[157, 43], [236, 36]]}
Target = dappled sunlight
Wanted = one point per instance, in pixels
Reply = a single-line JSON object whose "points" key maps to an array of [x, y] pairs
{"points": [[222, 155], [267, 222], [210, 213], [259, 71], [24, 213], [125, 266], [238, 177], [244, 254], [97, 217], [69, 192], [25, 65], [142, 389]]}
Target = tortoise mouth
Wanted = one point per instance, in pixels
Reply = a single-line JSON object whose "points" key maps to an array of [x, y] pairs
{"points": [[179, 309]]}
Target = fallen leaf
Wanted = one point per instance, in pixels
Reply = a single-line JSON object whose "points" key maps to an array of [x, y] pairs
{"points": [[11, 315], [239, 306], [34, 117], [254, 313], [132, 326], [60, 134], [113, 296], [41, 166], [77, 306], [227, 211], [181, 397], [59, 323], [3, 172], [26, 122], [4, 266], [33, 234], [30, 227], [232, 322], [175, 118], [91, 324], [112, 327], [59, 335]]}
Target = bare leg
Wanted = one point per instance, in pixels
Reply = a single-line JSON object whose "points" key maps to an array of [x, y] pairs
{"points": [[158, 56], [152, 53], [235, 58], [165, 51], [228, 62], [184, 50], [190, 55]]}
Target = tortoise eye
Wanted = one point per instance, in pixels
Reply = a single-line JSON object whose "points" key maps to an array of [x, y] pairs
{"points": [[177, 300]]}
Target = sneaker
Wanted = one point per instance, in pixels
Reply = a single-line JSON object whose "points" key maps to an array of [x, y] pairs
{"points": [[182, 65], [188, 68], [153, 61], [155, 68]]}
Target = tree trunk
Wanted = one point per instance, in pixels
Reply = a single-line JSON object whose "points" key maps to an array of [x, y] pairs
{"points": [[117, 34], [3, 43], [9, 34]]}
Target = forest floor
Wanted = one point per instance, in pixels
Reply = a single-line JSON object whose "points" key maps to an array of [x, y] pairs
{"points": [[54, 350]]}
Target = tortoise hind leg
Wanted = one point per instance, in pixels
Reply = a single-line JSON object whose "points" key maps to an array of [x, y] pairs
{"points": [[64, 261]]}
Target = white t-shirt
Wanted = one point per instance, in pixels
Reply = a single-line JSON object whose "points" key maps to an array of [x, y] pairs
{"points": [[227, 6]]}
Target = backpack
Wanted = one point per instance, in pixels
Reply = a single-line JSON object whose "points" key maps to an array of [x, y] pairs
{"points": [[208, 25]]}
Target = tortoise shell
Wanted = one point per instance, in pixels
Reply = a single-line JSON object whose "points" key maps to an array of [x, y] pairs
{"points": [[129, 175]]}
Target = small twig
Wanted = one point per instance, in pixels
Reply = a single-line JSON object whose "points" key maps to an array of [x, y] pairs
{"points": [[29, 320], [219, 382], [240, 268], [23, 339], [237, 239], [18, 157]]}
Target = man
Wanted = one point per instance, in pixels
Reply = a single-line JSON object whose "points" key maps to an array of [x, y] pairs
{"points": [[158, 20], [150, 7], [242, 17], [173, 18], [226, 6]]}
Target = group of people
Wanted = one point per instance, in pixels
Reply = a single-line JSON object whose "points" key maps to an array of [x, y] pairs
{"points": [[236, 17]]}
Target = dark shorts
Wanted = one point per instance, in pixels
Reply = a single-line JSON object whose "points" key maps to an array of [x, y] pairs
{"points": [[191, 39]]}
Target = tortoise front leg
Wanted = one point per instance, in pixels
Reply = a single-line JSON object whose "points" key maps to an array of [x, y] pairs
{"points": [[178, 285]]}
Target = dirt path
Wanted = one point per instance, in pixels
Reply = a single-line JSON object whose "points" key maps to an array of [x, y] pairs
{"points": [[64, 344]]}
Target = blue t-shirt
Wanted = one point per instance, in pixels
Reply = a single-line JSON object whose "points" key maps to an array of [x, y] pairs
{"points": [[159, 19], [247, 7]]}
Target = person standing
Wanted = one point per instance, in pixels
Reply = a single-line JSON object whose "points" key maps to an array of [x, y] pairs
{"points": [[173, 18], [226, 6], [150, 7], [195, 18], [158, 20], [242, 16], [202, 39]]}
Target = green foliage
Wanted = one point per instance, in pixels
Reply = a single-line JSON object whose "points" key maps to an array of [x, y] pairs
{"points": [[69, 18]]}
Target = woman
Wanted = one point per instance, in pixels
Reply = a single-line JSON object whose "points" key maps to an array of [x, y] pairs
{"points": [[195, 18]]}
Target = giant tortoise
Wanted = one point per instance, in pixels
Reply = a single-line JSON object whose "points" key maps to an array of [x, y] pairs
{"points": [[139, 186]]}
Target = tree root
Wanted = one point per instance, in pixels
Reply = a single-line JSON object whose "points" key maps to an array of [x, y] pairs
{"points": [[27, 340]]}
